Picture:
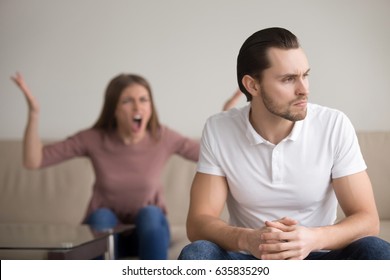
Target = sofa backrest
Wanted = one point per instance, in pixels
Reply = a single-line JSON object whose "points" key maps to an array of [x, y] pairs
{"points": [[375, 147], [60, 194], [57, 194], [177, 179]]}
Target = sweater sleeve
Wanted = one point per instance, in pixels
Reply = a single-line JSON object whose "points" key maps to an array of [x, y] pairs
{"points": [[57, 152], [181, 145]]}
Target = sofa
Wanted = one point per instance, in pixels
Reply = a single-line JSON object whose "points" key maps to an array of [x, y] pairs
{"points": [[60, 194]]}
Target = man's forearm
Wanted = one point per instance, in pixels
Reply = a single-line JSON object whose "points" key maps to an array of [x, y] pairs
{"points": [[347, 230], [218, 231]]}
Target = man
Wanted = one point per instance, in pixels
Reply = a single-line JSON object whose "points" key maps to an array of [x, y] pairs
{"points": [[281, 165]]}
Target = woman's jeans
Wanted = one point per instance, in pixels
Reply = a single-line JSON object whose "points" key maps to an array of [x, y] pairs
{"points": [[150, 239], [367, 248]]}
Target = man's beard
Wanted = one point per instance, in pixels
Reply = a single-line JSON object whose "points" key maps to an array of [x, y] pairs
{"points": [[285, 113]]}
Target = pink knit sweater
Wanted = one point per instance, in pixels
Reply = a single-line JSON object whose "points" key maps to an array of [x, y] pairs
{"points": [[128, 177]]}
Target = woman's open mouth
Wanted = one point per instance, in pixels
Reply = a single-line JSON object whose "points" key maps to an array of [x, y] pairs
{"points": [[137, 122]]}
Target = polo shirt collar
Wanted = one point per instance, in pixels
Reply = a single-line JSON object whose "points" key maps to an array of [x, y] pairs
{"points": [[254, 138]]}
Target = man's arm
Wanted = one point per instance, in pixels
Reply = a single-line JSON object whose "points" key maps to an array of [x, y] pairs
{"points": [[208, 197], [355, 196]]}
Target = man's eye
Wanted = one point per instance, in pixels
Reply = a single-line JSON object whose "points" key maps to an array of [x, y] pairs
{"points": [[289, 79]]}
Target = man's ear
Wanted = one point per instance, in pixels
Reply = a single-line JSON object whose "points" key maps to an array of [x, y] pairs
{"points": [[251, 85]]}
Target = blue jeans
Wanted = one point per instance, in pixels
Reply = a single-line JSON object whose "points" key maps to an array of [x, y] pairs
{"points": [[367, 248], [150, 239]]}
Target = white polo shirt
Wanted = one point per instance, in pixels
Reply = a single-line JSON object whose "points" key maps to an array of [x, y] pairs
{"points": [[293, 178]]}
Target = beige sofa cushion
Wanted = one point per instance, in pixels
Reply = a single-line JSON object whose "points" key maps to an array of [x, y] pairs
{"points": [[58, 194]]}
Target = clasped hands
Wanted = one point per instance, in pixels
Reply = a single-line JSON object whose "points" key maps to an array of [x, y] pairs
{"points": [[282, 239]]}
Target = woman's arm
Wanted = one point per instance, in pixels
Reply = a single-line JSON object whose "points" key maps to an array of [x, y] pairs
{"points": [[32, 144], [232, 101]]}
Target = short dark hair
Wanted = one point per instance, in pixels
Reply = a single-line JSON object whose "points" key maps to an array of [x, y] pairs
{"points": [[253, 60], [107, 120]]}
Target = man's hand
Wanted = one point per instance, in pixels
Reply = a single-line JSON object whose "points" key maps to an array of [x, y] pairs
{"points": [[254, 240], [288, 241]]}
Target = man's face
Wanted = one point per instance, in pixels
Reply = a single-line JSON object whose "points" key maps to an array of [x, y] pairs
{"points": [[284, 87]]}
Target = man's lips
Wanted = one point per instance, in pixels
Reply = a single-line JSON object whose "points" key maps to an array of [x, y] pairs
{"points": [[300, 103]]}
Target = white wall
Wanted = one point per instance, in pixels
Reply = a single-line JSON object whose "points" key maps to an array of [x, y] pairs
{"points": [[69, 50]]}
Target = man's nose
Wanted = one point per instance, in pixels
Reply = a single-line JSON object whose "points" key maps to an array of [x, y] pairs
{"points": [[302, 87]]}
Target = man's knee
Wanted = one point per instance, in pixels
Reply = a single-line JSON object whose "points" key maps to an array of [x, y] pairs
{"points": [[201, 250], [371, 248]]}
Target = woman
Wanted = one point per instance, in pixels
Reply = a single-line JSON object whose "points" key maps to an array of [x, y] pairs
{"points": [[128, 148]]}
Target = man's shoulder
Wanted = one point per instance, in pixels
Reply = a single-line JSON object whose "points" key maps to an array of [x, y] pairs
{"points": [[325, 118], [322, 109], [228, 116], [316, 110]]}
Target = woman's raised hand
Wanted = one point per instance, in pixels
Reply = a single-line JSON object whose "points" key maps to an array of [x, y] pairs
{"points": [[32, 144], [232, 101], [31, 100]]}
